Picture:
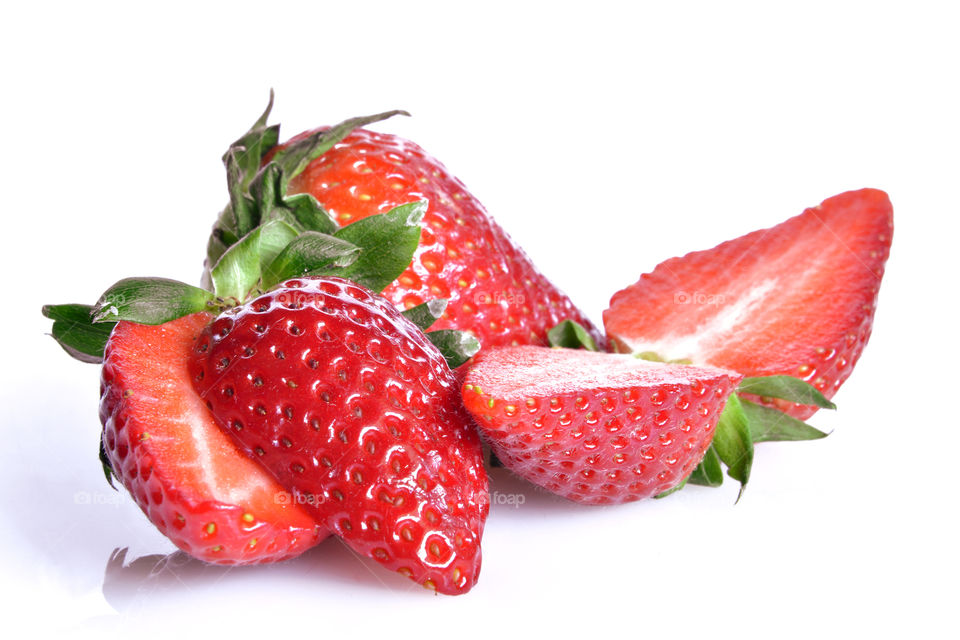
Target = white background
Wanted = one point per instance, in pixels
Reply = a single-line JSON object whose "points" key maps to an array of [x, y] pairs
{"points": [[605, 139]]}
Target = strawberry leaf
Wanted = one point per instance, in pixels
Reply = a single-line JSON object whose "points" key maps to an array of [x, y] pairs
{"points": [[309, 214], [150, 301], [223, 236], [274, 238], [309, 251], [75, 331], [294, 158], [571, 335], [425, 314], [733, 442], [680, 486], [387, 243], [785, 388], [240, 269], [649, 356], [653, 356], [456, 346], [250, 148], [771, 425], [107, 467], [242, 161], [242, 210], [708, 473], [302, 211]]}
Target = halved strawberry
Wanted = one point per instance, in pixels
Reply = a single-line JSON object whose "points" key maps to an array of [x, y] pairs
{"points": [[185, 473], [797, 299], [596, 428], [172, 446]]}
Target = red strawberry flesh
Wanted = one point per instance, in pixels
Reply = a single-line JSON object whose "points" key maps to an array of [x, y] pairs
{"points": [[189, 477], [797, 299]]}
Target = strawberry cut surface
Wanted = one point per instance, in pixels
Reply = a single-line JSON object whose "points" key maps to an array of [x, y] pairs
{"points": [[188, 477], [352, 409], [493, 288], [596, 428], [797, 299]]}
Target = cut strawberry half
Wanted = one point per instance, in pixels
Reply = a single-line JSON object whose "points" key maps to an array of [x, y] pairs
{"points": [[185, 473], [596, 428], [797, 299]]}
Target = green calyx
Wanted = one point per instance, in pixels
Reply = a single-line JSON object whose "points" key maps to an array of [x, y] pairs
{"points": [[373, 252], [785, 388], [744, 423], [258, 190], [74, 330], [266, 238], [571, 335], [652, 356], [456, 346]]}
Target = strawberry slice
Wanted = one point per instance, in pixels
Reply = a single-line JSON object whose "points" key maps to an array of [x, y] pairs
{"points": [[185, 473], [596, 428], [797, 299]]}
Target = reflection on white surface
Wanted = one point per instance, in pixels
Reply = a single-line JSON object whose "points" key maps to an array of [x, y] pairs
{"points": [[151, 582]]}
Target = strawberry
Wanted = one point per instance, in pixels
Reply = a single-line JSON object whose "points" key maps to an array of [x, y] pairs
{"points": [[170, 388], [797, 299], [493, 289], [350, 407], [182, 470], [596, 428]]}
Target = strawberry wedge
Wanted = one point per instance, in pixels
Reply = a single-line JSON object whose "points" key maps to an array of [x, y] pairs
{"points": [[595, 428], [185, 473], [797, 299]]}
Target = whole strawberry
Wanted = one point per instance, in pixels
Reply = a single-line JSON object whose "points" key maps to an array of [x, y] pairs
{"points": [[796, 300], [596, 428], [351, 408], [493, 289]]}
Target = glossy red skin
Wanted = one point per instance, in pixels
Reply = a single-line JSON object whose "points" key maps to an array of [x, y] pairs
{"points": [[822, 271], [185, 474], [353, 410], [628, 431], [493, 288]]}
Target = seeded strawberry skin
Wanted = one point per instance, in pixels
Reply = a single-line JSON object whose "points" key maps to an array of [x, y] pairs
{"points": [[357, 414], [493, 288], [595, 428], [187, 476]]}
